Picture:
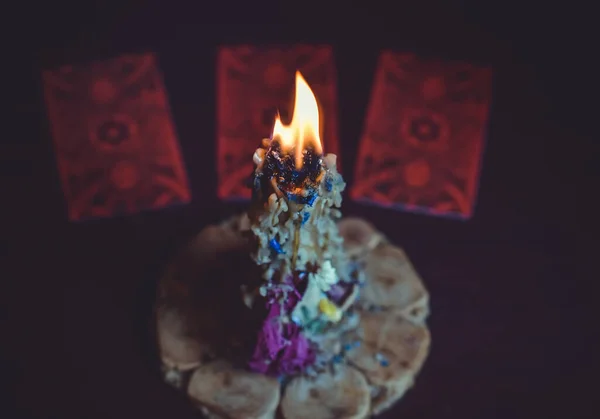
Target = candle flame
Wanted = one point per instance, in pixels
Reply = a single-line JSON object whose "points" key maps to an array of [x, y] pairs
{"points": [[303, 131]]}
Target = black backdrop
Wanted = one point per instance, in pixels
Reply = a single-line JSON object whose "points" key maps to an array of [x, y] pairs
{"points": [[509, 322]]}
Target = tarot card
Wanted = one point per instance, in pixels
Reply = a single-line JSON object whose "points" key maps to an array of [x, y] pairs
{"points": [[421, 146], [253, 84], [115, 142]]}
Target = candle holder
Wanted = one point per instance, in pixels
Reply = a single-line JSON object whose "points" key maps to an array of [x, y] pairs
{"points": [[290, 309]]}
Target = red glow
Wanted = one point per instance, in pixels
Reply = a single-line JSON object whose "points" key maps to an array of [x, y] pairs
{"points": [[117, 151]]}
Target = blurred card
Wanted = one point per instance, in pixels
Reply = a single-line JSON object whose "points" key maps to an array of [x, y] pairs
{"points": [[423, 137], [253, 84], [115, 143]]}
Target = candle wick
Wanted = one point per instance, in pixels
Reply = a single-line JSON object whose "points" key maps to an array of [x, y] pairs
{"points": [[296, 245]]}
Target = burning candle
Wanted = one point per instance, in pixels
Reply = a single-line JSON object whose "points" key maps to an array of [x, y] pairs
{"points": [[295, 188], [292, 160], [296, 193]]}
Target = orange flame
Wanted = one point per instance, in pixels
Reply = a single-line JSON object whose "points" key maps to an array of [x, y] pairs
{"points": [[304, 128]]}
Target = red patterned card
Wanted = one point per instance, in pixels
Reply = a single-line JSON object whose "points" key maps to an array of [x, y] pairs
{"points": [[424, 134], [115, 143], [253, 83]]}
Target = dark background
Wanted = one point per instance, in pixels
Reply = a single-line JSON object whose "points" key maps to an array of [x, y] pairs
{"points": [[512, 336]]}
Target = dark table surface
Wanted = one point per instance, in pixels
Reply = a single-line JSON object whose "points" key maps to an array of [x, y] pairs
{"points": [[510, 328]]}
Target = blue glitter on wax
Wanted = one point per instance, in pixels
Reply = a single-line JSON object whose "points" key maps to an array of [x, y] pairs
{"points": [[382, 361], [275, 246], [257, 183], [337, 359], [294, 198], [299, 199], [305, 217], [328, 184], [350, 346]]}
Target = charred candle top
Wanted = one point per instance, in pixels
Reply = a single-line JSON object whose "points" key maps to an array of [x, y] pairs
{"points": [[291, 180]]}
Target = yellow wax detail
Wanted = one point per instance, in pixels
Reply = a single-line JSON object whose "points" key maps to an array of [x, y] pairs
{"points": [[330, 310]]}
